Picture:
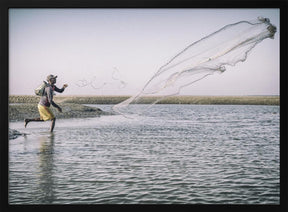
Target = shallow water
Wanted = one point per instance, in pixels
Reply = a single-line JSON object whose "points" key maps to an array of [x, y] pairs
{"points": [[186, 154]]}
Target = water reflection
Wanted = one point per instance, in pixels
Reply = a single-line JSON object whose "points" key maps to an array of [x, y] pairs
{"points": [[46, 167]]}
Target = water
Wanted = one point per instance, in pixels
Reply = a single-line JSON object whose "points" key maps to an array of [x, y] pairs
{"points": [[180, 154]]}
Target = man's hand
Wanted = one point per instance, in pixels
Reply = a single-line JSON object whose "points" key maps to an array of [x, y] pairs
{"points": [[59, 109], [65, 85]]}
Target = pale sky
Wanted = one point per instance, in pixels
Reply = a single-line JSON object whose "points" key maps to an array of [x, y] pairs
{"points": [[116, 51]]}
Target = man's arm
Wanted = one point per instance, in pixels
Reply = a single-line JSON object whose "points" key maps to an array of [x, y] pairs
{"points": [[50, 99], [60, 90]]}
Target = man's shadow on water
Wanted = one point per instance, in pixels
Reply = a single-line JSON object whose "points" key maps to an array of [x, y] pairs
{"points": [[45, 180]]}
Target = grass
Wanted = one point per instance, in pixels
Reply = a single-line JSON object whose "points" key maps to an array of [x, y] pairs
{"points": [[22, 107], [226, 100]]}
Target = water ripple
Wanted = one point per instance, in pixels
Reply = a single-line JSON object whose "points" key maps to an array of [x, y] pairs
{"points": [[211, 155]]}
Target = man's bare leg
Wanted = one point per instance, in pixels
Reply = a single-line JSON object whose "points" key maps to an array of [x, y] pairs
{"points": [[52, 124], [26, 121]]}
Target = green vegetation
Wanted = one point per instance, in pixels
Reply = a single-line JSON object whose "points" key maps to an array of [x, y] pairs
{"points": [[22, 107], [237, 100]]}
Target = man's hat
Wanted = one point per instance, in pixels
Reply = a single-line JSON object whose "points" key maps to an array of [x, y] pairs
{"points": [[51, 77]]}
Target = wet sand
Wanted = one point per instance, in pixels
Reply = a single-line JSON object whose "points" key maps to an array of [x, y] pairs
{"points": [[21, 107], [18, 112]]}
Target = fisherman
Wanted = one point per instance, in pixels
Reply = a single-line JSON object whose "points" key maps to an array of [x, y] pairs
{"points": [[45, 101]]}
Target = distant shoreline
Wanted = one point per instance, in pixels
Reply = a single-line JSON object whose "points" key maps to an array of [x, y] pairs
{"points": [[226, 100], [21, 107]]}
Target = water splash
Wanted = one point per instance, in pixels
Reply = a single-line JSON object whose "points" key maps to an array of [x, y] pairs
{"points": [[227, 46]]}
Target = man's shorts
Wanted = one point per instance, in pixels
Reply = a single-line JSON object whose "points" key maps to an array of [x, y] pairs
{"points": [[45, 113]]}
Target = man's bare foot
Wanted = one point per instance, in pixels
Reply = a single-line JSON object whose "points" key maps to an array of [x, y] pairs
{"points": [[26, 121]]}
